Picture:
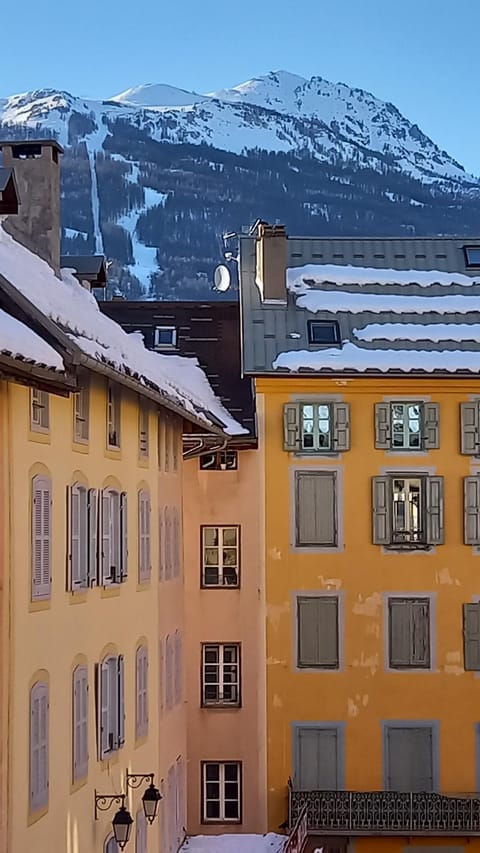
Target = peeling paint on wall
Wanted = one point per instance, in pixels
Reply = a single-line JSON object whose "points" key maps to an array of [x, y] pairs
{"points": [[369, 606], [329, 583], [373, 629], [444, 577], [275, 612], [275, 553], [371, 662], [352, 708], [277, 702]]}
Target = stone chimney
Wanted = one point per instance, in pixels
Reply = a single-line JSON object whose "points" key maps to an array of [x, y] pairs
{"points": [[36, 164], [271, 262]]}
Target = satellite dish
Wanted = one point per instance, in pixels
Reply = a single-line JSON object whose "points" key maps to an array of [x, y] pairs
{"points": [[221, 278]]}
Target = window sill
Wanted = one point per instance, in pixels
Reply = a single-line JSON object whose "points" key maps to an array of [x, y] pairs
{"points": [[39, 604], [35, 815], [219, 586], [78, 596], [221, 706], [79, 783], [221, 821], [40, 436], [318, 454]]}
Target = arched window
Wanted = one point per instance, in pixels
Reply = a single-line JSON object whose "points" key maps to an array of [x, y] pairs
{"points": [[39, 746], [41, 537]]}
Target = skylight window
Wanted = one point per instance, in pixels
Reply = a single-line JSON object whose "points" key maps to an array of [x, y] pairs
{"points": [[323, 334], [165, 337], [472, 256]]}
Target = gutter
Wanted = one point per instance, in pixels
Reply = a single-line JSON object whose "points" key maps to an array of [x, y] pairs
{"points": [[203, 444]]}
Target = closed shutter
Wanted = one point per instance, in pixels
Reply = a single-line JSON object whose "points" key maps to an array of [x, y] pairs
{"points": [[291, 427], [141, 691], [341, 426], [471, 487], [92, 537], [382, 511], [315, 507], [161, 544], [409, 633], [318, 759], [168, 544], [434, 505], [123, 536], [80, 722], [431, 425], [471, 636], [469, 417], [143, 536], [41, 537], [106, 527], [178, 667], [121, 699], [318, 631], [169, 653], [161, 674], [140, 832], [39, 747], [176, 543], [382, 426], [409, 759]]}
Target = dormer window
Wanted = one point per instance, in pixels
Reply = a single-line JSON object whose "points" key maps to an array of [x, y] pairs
{"points": [[472, 256], [165, 337], [323, 333]]}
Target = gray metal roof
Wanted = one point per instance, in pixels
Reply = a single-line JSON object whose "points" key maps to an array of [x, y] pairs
{"points": [[6, 175], [52, 143], [88, 267], [269, 330]]}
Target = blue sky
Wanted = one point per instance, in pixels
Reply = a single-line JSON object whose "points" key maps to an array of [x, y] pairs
{"points": [[420, 54]]}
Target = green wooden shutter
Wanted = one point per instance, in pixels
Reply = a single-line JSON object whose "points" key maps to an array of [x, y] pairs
{"points": [[341, 426], [434, 507], [431, 425], [315, 508], [291, 427], [382, 426], [382, 511], [471, 636], [469, 416], [317, 759], [471, 489]]}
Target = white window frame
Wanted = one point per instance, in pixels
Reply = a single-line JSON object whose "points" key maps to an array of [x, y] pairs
{"points": [[222, 801], [223, 570], [156, 339], [405, 446], [114, 412], [143, 429], [81, 415], [39, 410], [316, 434], [39, 746], [110, 705], [221, 669]]}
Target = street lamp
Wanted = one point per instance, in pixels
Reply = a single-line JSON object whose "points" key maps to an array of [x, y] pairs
{"points": [[122, 821], [151, 796]]}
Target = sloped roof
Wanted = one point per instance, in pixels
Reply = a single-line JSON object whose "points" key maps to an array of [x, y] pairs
{"points": [[19, 342], [88, 267]]}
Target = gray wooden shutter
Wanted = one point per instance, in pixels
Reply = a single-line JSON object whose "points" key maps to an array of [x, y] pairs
{"points": [[399, 633], [161, 674], [317, 759], [317, 620], [315, 508], [41, 537], [291, 427], [471, 491], [106, 554], [382, 511], [161, 543], [469, 417], [178, 667], [471, 635], [168, 544], [121, 700], [341, 426], [80, 722], [123, 536], [431, 425], [382, 426], [78, 537], [103, 708], [434, 506], [39, 746], [92, 537], [420, 619], [141, 687], [409, 759], [176, 542]]}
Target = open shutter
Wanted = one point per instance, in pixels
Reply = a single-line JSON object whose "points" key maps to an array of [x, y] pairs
{"points": [[103, 708], [341, 426], [382, 426], [176, 543], [121, 700], [168, 544], [471, 489], [92, 511], [470, 439], [41, 537], [123, 537], [307, 616], [471, 635], [161, 674], [381, 504], [434, 501], [78, 537], [420, 615], [431, 425], [106, 555], [291, 427], [161, 543], [399, 633]]}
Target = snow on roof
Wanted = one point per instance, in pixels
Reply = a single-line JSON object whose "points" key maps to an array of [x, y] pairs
{"points": [[75, 310], [358, 359], [419, 332], [299, 278], [18, 341], [378, 303], [270, 843]]}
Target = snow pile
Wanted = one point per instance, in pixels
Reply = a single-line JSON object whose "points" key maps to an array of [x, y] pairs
{"points": [[301, 279], [419, 332], [19, 341], [351, 357], [76, 312], [270, 843]]}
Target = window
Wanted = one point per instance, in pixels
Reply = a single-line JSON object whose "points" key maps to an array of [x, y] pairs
{"points": [[39, 749], [470, 432], [143, 429], [407, 426], [165, 337], [141, 682], [409, 633], [177, 561], [39, 410], [471, 636], [319, 427], [408, 511], [168, 542], [224, 460], [144, 550], [140, 832], [178, 670], [114, 537], [472, 256], [80, 722], [113, 415], [221, 791], [220, 556], [409, 757], [221, 674], [315, 509], [319, 757], [169, 671], [110, 705], [81, 406], [317, 632], [41, 538], [323, 333]]}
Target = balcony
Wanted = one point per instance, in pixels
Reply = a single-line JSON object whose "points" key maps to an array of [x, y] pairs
{"points": [[385, 812]]}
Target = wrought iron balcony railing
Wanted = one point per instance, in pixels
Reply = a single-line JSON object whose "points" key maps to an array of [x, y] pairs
{"points": [[386, 812]]}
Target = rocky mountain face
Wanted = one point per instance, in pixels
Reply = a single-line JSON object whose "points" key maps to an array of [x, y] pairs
{"points": [[154, 176]]}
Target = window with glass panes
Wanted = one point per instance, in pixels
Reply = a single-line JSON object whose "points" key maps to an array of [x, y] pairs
{"points": [[316, 426], [408, 511], [406, 425], [221, 791], [221, 674], [220, 556]]}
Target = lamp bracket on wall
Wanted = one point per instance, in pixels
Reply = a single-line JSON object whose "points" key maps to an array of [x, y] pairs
{"points": [[104, 802], [134, 780]]}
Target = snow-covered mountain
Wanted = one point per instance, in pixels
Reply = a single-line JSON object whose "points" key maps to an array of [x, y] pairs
{"points": [[162, 164]]}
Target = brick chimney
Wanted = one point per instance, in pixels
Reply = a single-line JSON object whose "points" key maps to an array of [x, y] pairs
{"points": [[271, 262], [36, 164]]}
